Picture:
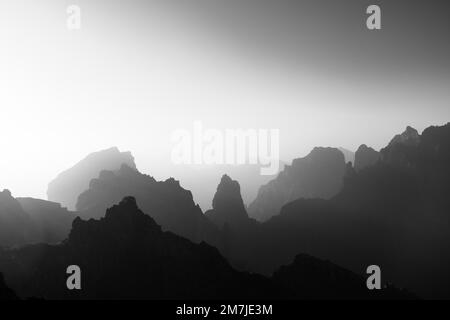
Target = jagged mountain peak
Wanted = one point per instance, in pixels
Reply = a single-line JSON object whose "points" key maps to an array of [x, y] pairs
{"points": [[228, 206], [122, 220], [227, 190], [408, 137]]}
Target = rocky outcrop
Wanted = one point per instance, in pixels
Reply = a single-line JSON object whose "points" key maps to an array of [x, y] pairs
{"points": [[365, 157], [228, 207], [68, 185], [167, 202], [318, 175]]}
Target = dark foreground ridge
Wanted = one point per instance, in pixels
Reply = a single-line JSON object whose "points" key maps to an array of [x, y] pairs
{"points": [[126, 255]]}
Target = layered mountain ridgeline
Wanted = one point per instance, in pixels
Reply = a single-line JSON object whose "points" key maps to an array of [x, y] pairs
{"points": [[167, 202], [201, 180], [393, 214], [365, 157], [318, 175], [68, 185], [26, 220], [126, 255], [6, 294]]}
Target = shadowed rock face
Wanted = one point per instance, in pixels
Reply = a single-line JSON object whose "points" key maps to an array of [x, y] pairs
{"points": [[126, 255], [365, 157], [6, 293], [348, 155], [16, 226], [318, 175], [167, 202], [68, 185], [228, 207]]}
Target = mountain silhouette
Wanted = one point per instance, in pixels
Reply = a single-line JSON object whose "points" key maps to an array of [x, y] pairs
{"points": [[201, 180], [402, 150], [51, 221], [318, 175], [167, 202], [393, 213], [365, 157], [68, 185], [228, 207], [126, 255], [238, 231]]}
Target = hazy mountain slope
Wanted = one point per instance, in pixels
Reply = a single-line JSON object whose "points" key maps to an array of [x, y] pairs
{"points": [[16, 226], [167, 202], [318, 175], [53, 223], [68, 185]]}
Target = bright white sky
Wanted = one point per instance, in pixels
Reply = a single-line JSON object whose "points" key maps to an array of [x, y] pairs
{"points": [[130, 77]]}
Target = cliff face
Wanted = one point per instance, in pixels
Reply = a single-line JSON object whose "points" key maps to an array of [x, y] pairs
{"points": [[16, 226], [228, 207], [318, 175], [167, 202], [68, 185], [365, 157]]}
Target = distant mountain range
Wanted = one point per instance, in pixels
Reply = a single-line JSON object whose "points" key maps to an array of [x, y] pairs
{"points": [[389, 209]]}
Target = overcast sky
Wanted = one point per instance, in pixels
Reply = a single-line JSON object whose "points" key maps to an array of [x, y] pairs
{"points": [[138, 70]]}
